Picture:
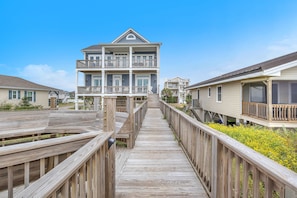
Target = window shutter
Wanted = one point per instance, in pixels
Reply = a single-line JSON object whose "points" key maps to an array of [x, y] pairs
{"points": [[19, 94], [34, 96], [9, 94], [25, 96]]}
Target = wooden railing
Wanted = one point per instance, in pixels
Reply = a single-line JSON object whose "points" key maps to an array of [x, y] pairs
{"points": [[113, 90], [86, 173], [284, 112], [255, 109], [132, 125], [139, 114], [115, 63], [280, 112], [24, 163], [116, 89], [226, 167]]}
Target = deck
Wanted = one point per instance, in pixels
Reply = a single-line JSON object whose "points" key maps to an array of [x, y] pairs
{"points": [[156, 166]]}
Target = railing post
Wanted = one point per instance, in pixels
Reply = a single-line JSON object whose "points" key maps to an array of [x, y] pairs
{"points": [[214, 166], [109, 125], [132, 122], [269, 101]]}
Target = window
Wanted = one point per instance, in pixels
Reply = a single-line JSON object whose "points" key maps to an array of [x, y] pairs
{"points": [[274, 93], [198, 94], [209, 92], [258, 93], [293, 92], [131, 37], [142, 83], [219, 93], [14, 94], [31, 96], [150, 61], [97, 81]]}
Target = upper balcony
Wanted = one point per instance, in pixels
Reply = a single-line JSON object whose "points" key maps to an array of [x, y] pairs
{"points": [[116, 64]]}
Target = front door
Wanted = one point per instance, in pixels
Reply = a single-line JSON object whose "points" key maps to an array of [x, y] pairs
{"points": [[117, 83], [142, 84]]}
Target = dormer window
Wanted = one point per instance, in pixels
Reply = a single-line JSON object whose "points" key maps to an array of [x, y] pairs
{"points": [[131, 37]]}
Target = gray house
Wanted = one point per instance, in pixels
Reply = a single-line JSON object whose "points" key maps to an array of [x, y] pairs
{"points": [[264, 94], [127, 67]]}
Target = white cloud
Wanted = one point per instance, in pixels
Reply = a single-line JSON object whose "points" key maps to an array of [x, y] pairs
{"points": [[283, 46], [47, 76]]}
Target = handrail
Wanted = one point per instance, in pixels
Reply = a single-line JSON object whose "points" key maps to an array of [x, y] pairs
{"points": [[34, 159], [76, 173], [226, 167]]}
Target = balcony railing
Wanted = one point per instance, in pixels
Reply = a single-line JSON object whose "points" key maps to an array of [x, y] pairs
{"points": [[112, 90], [280, 112], [115, 63], [284, 112]]}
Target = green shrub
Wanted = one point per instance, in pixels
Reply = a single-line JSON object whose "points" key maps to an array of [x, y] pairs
{"points": [[6, 106], [280, 148]]}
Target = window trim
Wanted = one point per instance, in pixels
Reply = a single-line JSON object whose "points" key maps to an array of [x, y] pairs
{"points": [[130, 37], [11, 94], [219, 94]]}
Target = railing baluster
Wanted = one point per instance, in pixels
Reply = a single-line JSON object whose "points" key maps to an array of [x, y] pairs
{"points": [[10, 181], [27, 174]]}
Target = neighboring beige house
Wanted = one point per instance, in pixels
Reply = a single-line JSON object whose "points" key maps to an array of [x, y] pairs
{"points": [[177, 86], [13, 89], [264, 94], [127, 67]]}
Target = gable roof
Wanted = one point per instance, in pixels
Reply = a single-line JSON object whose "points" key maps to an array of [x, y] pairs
{"points": [[261, 69], [133, 32], [11, 82]]}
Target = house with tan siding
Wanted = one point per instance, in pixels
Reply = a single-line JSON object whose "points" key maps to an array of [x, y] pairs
{"points": [[263, 94], [13, 89]]}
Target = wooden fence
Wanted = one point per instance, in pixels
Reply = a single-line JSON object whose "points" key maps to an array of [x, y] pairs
{"points": [[226, 167], [25, 163], [130, 130], [139, 114], [86, 173]]}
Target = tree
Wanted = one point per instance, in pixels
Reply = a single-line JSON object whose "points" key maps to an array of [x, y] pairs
{"points": [[188, 98], [166, 94]]}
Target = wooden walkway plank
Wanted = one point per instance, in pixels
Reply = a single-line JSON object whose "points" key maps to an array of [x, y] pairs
{"points": [[157, 166]]}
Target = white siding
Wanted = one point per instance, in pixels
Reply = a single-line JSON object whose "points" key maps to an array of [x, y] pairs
{"points": [[288, 74]]}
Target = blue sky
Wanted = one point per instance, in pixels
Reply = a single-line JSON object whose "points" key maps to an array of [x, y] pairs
{"points": [[41, 40]]}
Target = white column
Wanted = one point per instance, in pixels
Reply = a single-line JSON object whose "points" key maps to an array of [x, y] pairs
{"points": [[130, 70], [102, 71], [158, 71], [76, 92], [102, 76]]}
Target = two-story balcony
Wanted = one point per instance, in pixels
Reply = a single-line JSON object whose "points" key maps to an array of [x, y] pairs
{"points": [[116, 63], [113, 90]]}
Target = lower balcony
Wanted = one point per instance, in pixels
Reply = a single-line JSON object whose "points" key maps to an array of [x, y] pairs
{"points": [[279, 112], [121, 90]]}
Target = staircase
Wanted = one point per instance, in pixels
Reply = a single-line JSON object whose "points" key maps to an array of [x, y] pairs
{"points": [[195, 115], [153, 101]]}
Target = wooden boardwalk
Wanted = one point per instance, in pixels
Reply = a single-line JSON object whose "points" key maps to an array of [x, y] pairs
{"points": [[157, 166]]}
